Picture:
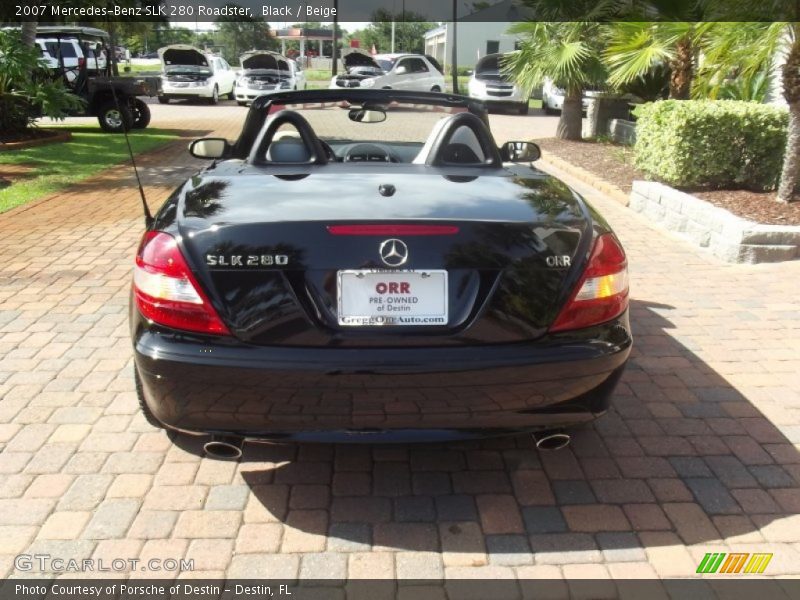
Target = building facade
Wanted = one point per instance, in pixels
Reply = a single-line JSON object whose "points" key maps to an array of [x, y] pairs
{"points": [[475, 40], [477, 33]]}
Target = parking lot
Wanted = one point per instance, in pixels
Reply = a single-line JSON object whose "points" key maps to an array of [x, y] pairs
{"points": [[193, 115], [698, 455]]}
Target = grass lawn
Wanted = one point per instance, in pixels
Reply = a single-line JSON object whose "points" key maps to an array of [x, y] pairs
{"points": [[137, 70], [53, 167], [318, 75]]}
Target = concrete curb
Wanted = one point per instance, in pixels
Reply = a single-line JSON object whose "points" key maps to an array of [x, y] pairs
{"points": [[593, 180], [724, 234]]}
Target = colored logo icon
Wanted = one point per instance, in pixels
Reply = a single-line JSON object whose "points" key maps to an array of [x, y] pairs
{"points": [[735, 562]]}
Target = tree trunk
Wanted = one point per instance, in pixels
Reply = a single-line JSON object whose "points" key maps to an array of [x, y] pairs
{"points": [[682, 70], [791, 92], [791, 156], [112, 51], [28, 31], [571, 121]]}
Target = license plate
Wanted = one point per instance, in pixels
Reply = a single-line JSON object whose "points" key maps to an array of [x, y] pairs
{"points": [[380, 298]]}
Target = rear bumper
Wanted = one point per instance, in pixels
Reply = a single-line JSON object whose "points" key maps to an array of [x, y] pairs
{"points": [[217, 386]]}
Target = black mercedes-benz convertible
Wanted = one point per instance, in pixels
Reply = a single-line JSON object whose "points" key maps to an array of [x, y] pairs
{"points": [[368, 265]]}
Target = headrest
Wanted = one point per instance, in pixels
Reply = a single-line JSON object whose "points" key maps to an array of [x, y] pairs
{"points": [[288, 150]]}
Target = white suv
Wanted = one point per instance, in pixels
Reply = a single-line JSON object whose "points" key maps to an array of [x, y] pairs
{"points": [[190, 73], [490, 84], [390, 71], [54, 51]]}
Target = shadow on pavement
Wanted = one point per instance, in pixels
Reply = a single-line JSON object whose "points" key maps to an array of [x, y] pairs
{"points": [[682, 465]]}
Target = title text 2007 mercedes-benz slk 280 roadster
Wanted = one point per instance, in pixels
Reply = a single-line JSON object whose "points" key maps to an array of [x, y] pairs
{"points": [[368, 265]]}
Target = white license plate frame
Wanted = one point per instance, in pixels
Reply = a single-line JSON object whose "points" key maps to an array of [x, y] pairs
{"points": [[432, 312]]}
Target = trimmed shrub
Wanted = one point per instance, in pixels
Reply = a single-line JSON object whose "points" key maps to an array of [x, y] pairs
{"points": [[711, 143]]}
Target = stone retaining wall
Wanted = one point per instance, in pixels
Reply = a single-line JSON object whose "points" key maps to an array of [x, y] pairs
{"points": [[727, 236], [622, 132]]}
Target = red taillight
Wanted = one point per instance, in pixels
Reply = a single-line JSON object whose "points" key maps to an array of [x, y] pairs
{"points": [[81, 62], [392, 229], [602, 292], [166, 292]]}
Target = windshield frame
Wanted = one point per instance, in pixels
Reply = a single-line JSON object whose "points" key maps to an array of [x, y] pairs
{"points": [[259, 109]]}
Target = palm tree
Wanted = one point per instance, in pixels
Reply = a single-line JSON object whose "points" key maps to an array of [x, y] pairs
{"points": [[653, 33], [28, 30], [567, 53], [748, 49], [28, 33], [635, 48]]}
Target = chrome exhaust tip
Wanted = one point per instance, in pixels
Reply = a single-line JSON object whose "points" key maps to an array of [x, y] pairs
{"points": [[551, 440], [226, 447]]}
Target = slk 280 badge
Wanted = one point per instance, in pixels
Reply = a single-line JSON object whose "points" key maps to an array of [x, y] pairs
{"points": [[246, 260]]}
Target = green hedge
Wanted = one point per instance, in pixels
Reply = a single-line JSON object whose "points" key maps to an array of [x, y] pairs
{"points": [[711, 143]]}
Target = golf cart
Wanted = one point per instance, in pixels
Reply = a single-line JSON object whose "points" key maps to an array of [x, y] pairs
{"points": [[112, 99]]}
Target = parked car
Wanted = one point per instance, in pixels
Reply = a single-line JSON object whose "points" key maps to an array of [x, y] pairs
{"points": [[67, 56], [122, 54], [368, 265], [66, 52], [264, 72], [489, 84], [553, 97], [298, 74], [190, 73], [49, 62], [390, 71]]}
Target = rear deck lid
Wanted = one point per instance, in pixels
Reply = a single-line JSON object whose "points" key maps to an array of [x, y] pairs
{"points": [[273, 252]]}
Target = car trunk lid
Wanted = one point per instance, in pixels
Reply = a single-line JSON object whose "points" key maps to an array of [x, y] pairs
{"points": [[270, 250]]}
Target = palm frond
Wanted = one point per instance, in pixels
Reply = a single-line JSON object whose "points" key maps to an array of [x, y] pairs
{"points": [[566, 52], [740, 50]]}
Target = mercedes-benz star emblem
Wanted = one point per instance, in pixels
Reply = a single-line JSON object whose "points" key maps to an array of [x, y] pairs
{"points": [[394, 252]]}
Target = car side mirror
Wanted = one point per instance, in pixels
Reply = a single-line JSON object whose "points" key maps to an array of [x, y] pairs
{"points": [[520, 152], [400, 71], [209, 148]]}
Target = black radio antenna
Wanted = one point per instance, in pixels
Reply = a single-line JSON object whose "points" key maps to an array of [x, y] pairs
{"points": [[148, 218]]}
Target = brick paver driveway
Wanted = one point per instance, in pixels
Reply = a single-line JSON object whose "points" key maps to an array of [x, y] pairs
{"points": [[699, 453]]}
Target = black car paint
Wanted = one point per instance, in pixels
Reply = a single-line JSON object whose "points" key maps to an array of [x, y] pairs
{"points": [[289, 370], [220, 385], [497, 254]]}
